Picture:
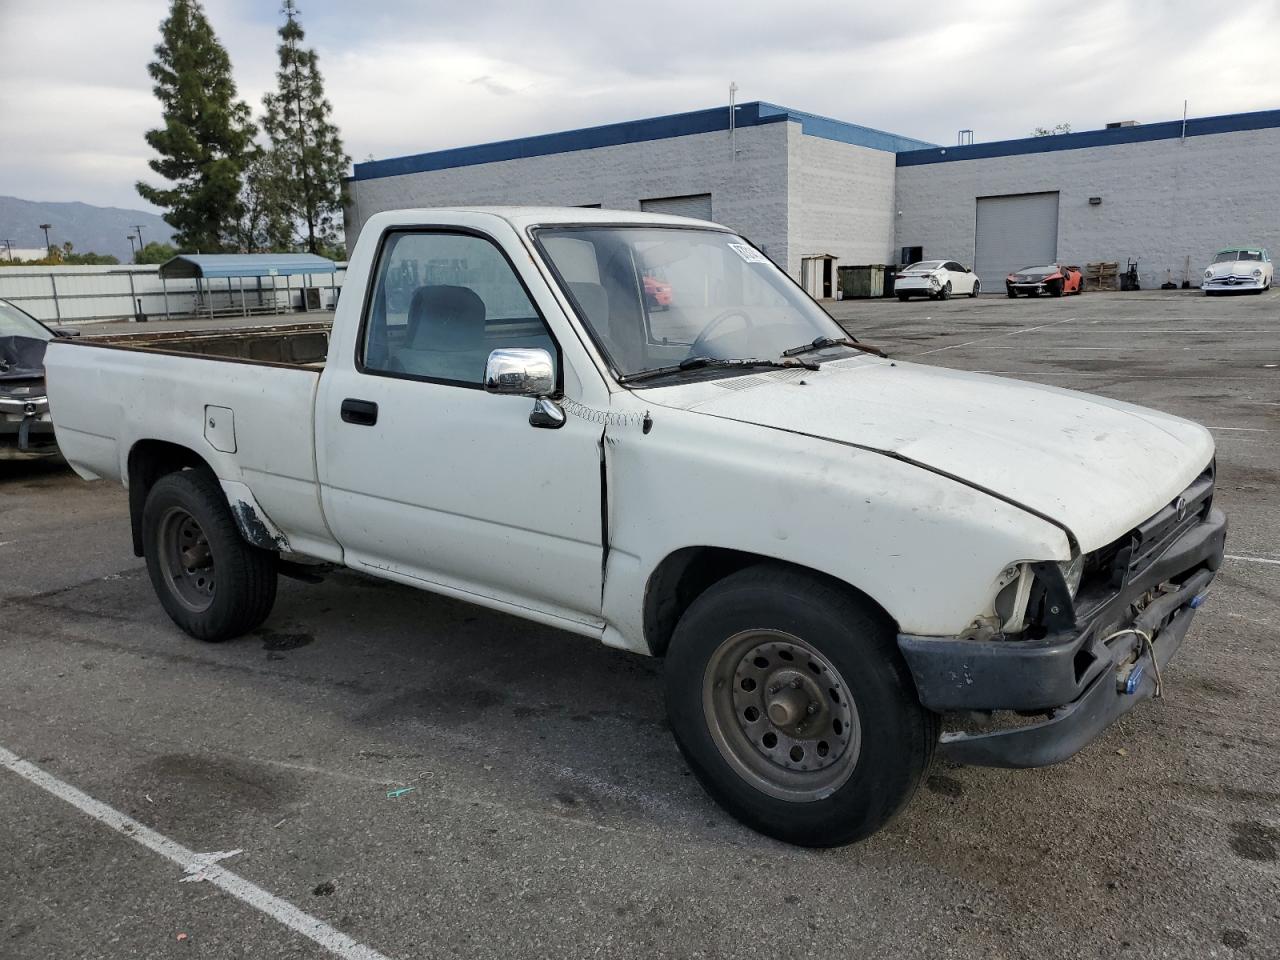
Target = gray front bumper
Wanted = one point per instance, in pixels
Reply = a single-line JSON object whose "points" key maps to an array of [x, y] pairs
{"points": [[1071, 676]]}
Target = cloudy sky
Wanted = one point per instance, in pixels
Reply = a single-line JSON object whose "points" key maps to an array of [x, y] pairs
{"points": [[406, 76]]}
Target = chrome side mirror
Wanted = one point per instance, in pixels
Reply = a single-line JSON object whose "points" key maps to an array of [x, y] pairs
{"points": [[520, 372], [526, 372]]}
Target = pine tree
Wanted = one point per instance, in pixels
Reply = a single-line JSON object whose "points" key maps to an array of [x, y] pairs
{"points": [[206, 134], [261, 219], [307, 147]]}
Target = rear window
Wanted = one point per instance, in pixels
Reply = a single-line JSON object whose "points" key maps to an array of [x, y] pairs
{"points": [[925, 265]]}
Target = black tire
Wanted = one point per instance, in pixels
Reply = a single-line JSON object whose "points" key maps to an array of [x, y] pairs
{"points": [[903, 298], [945, 292], [1013, 294], [860, 644], [1056, 288], [976, 287], [240, 596]]}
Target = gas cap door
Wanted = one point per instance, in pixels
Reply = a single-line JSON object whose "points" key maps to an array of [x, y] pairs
{"points": [[220, 428]]}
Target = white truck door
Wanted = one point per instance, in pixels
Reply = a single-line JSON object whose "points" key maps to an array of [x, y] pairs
{"points": [[427, 476]]}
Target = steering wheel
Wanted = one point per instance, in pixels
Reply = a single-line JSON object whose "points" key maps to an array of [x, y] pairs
{"points": [[697, 348]]}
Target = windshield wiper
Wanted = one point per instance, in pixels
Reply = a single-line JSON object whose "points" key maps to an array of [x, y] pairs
{"points": [[822, 343], [698, 363]]}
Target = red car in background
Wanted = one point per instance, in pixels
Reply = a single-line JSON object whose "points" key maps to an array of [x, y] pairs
{"points": [[657, 293], [1053, 279]]}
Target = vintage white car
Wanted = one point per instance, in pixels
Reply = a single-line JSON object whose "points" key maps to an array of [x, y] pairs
{"points": [[1238, 269], [935, 279]]}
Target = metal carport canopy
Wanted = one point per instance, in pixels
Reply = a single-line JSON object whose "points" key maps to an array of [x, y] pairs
{"points": [[208, 265]]}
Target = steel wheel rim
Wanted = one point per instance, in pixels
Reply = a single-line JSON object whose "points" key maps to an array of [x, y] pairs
{"points": [[186, 560], [781, 715]]}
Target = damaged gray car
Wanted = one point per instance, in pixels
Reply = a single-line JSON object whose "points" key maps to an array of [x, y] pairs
{"points": [[25, 428]]}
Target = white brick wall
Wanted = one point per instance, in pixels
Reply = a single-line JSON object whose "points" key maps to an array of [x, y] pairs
{"points": [[1162, 201], [749, 195], [842, 200]]}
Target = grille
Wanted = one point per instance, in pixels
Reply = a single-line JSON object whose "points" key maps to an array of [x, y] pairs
{"points": [[1126, 558]]}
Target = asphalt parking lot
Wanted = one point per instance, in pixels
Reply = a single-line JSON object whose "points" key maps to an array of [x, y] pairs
{"points": [[550, 813]]}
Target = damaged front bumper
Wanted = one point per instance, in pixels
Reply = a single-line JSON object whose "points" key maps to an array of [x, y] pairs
{"points": [[26, 429], [1080, 679]]}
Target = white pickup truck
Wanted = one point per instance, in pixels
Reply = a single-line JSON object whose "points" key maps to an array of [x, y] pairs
{"points": [[637, 428]]}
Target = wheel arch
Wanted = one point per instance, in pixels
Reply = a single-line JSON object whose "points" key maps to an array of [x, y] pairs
{"points": [[685, 574], [148, 461]]}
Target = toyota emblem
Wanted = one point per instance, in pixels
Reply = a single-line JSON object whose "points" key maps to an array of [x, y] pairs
{"points": [[1180, 507]]}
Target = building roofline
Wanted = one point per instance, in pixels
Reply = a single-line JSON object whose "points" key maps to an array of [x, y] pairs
{"points": [[714, 119], [1113, 136]]}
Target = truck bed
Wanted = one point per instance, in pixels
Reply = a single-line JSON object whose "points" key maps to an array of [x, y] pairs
{"points": [[300, 344], [241, 400]]}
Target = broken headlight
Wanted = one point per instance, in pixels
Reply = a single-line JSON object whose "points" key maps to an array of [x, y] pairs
{"points": [[1037, 597], [1072, 571]]}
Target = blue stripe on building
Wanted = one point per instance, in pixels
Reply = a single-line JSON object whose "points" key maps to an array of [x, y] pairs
{"points": [[752, 114], [1170, 130]]}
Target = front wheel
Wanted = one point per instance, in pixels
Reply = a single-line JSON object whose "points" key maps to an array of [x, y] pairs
{"points": [[903, 298], [1013, 294], [791, 703], [211, 582], [974, 291]]}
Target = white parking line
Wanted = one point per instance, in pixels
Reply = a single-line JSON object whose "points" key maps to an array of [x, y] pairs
{"points": [[335, 941], [997, 336], [1234, 556]]}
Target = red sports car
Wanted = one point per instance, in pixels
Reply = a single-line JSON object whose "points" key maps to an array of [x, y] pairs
{"points": [[657, 293], [1053, 279]]}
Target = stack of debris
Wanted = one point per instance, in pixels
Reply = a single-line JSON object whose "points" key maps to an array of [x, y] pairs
{"points": [[1102, 276]]}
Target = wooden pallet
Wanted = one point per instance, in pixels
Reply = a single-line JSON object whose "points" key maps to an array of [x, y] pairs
{"points": [[1102, 276]]}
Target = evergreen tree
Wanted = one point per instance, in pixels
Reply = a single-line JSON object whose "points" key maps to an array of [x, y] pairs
{"points": [[206, 134], [308, 153], [262, 223]]}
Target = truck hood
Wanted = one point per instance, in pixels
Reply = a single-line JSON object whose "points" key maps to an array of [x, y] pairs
{"points": [[1098, 467]]}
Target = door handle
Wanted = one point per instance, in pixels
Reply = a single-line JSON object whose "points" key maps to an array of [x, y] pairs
{"points": [[363, 413]]}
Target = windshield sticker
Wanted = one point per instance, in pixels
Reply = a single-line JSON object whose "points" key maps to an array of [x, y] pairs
{"points": [[748, 253]]}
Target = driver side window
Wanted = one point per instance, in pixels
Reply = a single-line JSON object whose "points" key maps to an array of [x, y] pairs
{"points": [[441, 303]]}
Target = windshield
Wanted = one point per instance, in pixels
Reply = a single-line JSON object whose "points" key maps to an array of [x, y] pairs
{"points": [[1231, 256], [655, 296], [1039, 271], [15, 323], [924, 265]]}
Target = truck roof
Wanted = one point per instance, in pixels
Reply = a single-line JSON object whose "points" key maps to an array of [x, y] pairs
{"points": [[522, 217]]}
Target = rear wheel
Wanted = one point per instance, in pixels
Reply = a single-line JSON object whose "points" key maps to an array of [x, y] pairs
{"points": [[211, 582], [903, 297], [945, 292], [789, 699]]}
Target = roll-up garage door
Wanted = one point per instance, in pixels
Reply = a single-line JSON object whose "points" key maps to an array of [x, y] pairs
{"points": [[1012, 232], [696, 205]]}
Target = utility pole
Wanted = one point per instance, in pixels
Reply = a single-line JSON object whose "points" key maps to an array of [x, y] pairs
{"points": [[733, 120], [132, 247], [8, 246], [138, 227], [45, 227]]}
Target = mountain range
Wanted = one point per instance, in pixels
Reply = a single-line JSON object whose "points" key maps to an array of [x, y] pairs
{"points": [[90, 229]]}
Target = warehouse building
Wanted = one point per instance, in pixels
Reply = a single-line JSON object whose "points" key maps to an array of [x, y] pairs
{"points": [[817, 193]]}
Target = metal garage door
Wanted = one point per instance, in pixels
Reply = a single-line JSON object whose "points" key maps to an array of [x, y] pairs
{"points": [[697, 205], [1012, 232]]}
